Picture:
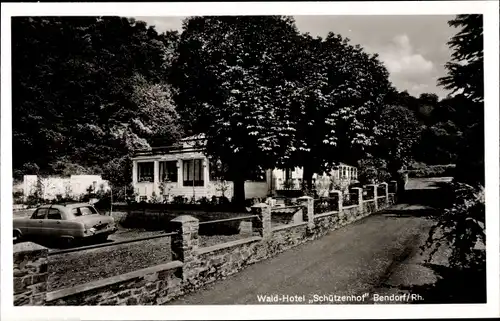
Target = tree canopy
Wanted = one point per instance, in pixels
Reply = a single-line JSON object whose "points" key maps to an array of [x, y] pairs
{"points": [[263, 94], [85, 90], [465, 76]]}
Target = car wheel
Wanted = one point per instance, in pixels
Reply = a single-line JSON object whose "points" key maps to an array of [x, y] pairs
{"points": [[16, 236], [102, 238], [67, 242]]}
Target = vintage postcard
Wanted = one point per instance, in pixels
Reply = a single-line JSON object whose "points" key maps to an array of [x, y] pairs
{"points": [[250, 161]]}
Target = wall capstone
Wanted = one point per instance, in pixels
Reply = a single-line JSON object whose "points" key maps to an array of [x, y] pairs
{"points": [[308, 203], [185, 242], [30, 273], [264, 223]]}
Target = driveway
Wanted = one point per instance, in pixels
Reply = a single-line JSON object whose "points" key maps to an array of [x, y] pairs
{"points": [[368, 259]]}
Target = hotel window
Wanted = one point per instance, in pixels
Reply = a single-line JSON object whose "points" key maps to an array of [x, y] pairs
{"points": [[193, 172], [168, 171], [145, 172]]}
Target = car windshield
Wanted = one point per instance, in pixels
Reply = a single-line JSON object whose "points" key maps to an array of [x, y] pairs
{"points": [[84, 210]]}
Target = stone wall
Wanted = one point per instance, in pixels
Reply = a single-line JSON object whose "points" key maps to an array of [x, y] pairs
{"points": [[193, 266], [151, 286], [30, 273]]}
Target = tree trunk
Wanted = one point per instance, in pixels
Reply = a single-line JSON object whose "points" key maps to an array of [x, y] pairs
{"points": [[238, 170], [239, 190], [307, 175]]}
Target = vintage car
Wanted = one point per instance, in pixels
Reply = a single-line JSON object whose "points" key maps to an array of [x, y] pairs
{"points": [[69, 222]]}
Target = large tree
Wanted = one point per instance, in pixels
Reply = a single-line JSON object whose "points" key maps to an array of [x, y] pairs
{"points": [[85, 90], [465, 77], [340, 93], [397, 132], [233, 85]]}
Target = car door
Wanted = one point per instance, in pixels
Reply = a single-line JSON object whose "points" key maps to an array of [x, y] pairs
{"points": [[35, 223], [53, 226]]}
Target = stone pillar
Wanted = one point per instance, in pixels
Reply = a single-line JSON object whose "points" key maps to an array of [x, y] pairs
{"points": [[386, 191], [185, 242], [30, 273], [308, 203], [359, 195], [339, 199], [263, 224], [373, 187]]}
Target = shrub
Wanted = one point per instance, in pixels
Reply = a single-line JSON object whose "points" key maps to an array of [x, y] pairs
{"points": [[204, 201], [33, 201], [179, 199], [373, 171], [154, 199], [222, 186], [461, 227], [224, 200], [18, 197]]}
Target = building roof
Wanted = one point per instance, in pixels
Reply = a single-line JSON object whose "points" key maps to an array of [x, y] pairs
{"points": [[187, 144], [344, 164]]}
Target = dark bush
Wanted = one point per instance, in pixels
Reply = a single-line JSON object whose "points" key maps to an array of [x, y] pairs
{"points": [[33, 201], [18, 197], [290, 193], [179, 199]]}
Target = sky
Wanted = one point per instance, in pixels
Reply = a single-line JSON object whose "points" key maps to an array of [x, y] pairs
{"points": [[412, 47]]}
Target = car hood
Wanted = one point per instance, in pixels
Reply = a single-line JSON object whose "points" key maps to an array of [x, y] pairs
{"points": [[94, 219]]}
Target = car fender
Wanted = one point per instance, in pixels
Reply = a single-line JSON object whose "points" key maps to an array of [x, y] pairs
{"points": [[73, 229]]}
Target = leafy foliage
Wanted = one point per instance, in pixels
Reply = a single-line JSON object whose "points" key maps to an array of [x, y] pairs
{"points": [[465, 71], [232, 80], [86, 91], [397, 133], [339, 97], [373, 171], [465, 75], [461, 227], [267, 96]]}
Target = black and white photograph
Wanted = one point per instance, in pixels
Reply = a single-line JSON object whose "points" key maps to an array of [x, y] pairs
{"points": [[250, 159]]}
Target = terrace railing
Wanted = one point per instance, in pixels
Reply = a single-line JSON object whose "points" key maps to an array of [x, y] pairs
{"points": [[350, 199], [116, 243], [326, 204]]}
